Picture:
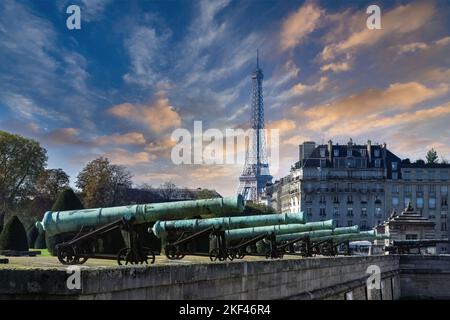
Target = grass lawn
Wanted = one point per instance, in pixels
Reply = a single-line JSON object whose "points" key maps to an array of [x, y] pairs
{"points": [[44, 252]]}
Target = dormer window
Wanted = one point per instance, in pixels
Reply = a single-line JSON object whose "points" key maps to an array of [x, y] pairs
{"points": [[349, 152], [377, 153], [336, 152], [322, 153], [363, 152]]}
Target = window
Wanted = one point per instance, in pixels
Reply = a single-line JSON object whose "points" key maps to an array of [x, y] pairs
{"points": [[363, 198], [309, 212], [349, 152], [407, 175], [322, 153], [363, 225], [336, 211], [407, 201], [323, 163], [336, 152], [408, 189], [394, 166], [377, 163], [432, 188], [335, 198], [363, 212], [444, 190], [395, 188], [419, 188], [349, 187], [444, 202], [419, 175], [411, 237], [419, 203], [395, 201], [363, 152], [443, 226], [376, 152], [432, 203], [350, 212], [322, 199], [394, 175], [378, 212], [308, 198], [337, 223], [349, 223], [322, 212], [350, 199]]}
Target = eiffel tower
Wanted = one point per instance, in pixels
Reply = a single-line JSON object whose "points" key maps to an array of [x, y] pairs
{"points": [[256, 169]]}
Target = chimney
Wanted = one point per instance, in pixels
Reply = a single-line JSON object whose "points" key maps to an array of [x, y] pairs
{"points": [[330, 151], [369, 150]]}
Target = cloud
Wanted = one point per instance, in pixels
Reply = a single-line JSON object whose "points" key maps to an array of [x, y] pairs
{"points": [[399, 21], [377, 122], [336, 67], [127, 158], [146, 51], [158, 117], [131, 138], [296, 140], [65, 136], [284, 125], [298, 25], [92, 10], [370, 101]]}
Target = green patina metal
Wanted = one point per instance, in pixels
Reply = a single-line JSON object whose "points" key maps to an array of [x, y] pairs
{"points": [[277, 229], [359, 236], [161, 228], [74, 220], [318, 233]]}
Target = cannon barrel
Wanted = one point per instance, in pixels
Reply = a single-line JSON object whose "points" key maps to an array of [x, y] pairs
{"points": [[277, 229], [362, 235], [161, 228], [318, 233], [72, 221]]}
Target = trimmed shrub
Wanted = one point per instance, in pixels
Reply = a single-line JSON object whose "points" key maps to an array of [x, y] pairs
{"points": [[40, 241], [14, 236], [32, 234], [67, 200]]}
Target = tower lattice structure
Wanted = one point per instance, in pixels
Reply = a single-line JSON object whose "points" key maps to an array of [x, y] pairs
{"points": [[256, 173]]}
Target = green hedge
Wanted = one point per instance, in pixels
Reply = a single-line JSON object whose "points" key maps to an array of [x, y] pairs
{"points": [[14, 236]]}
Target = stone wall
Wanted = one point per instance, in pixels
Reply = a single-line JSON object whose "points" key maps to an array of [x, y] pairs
{"points": [[425, 277], [316, 278]]}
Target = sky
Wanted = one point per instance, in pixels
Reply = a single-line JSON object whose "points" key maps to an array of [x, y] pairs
{"points": [[138, 70]]}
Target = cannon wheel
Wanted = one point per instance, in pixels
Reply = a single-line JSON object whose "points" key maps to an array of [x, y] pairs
{"points": [[240, 255], [214, 255], [150, 256], [123, 257], [67, 255], [171, 252]]}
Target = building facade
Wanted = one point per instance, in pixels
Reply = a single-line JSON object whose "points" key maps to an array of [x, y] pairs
{"points": [[361, 184]]}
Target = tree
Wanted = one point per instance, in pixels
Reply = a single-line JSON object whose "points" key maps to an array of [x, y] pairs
{"points": [[444, 160], [102, 183], [21, 162], [14, 236], [420, 161], [51, 182], [168, 190], [432, 156], [206, 194]]}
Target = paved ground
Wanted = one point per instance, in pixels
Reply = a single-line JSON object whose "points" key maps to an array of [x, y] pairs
{"points": [[49, 262]]}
